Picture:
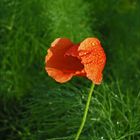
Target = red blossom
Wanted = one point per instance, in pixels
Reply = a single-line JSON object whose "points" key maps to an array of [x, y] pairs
{"points": [[65, 60]]}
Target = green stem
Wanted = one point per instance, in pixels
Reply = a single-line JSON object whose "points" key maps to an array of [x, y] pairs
{"points": [[85, 112]]}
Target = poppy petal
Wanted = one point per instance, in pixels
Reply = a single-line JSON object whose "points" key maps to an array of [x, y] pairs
{"points": [[59, 75], [54, 60], [93, 58], [60, 63], [73, 51]]}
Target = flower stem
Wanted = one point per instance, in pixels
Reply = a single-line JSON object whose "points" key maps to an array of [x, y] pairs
{"points": [[85, 112]]}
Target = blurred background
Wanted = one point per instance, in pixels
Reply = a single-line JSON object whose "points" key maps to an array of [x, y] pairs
{"points": [[33, 106]]}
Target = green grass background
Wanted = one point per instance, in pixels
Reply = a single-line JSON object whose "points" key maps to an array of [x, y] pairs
{"points": [[33, 106]]}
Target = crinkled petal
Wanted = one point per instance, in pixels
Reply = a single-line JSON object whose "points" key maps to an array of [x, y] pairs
{"points": [[59, 75], [60, 65], [93, 58], [73, 51]]}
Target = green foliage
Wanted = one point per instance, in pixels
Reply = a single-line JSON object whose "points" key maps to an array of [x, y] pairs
{"points": [[69, 19], [22, 45], [35, 107]]}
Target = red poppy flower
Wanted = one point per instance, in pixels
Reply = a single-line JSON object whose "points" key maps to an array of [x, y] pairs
{"points": [[65, 60]]}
